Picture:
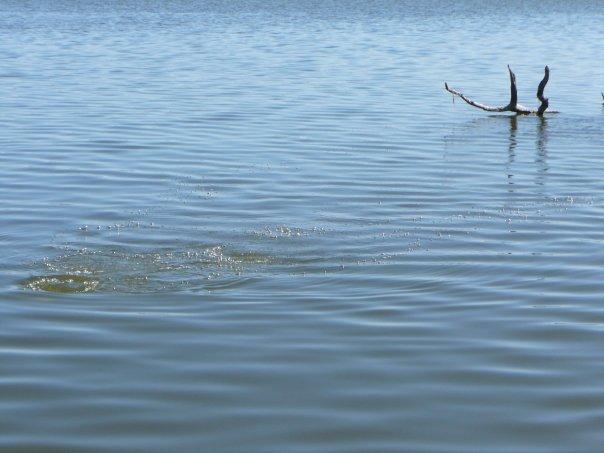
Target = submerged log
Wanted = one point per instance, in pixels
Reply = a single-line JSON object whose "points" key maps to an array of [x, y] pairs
{"points": [[513, 105]]}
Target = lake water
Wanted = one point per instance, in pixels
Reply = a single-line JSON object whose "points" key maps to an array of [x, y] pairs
{"points": [[265, 226]]}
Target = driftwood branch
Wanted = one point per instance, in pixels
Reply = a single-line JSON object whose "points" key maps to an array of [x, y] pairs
{"points": [[488, 108], [513, 92], [513, 105], [544, 101]]}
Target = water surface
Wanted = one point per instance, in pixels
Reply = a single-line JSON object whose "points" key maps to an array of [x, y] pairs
{"points": [[265, 224]]}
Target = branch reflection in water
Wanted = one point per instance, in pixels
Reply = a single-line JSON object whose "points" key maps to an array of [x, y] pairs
{"points": [[512, 144], [541, 157], [540, 150]]}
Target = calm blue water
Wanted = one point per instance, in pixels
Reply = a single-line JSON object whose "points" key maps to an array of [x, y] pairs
{"points": [[264, 226]]}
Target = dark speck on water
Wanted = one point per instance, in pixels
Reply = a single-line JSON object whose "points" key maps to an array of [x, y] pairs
{"points": [[264, 226]]}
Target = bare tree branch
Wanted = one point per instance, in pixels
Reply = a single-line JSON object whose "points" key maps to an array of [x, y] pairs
{"points": [[513, 105], [544, 101], [513, 92], [488, 108]]}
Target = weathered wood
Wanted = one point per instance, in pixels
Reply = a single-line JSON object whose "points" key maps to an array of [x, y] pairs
{"points": [[488, 108], [513, 105], [544, 101], [513, 92]]}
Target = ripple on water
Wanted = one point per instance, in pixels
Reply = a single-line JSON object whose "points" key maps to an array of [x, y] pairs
{"points": [[344, 260], [134, 271]]}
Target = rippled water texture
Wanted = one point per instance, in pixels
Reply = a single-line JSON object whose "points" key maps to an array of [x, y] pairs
{"points": [[265, 225]]}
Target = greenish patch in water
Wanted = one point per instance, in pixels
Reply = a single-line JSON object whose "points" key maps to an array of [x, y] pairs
{"points": [[65, 283], [144, 271], [179, 266]]}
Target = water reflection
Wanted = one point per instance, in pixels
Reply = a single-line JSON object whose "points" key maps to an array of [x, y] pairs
{"points": [[540, 150], [541, 145], [512, 144]]}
